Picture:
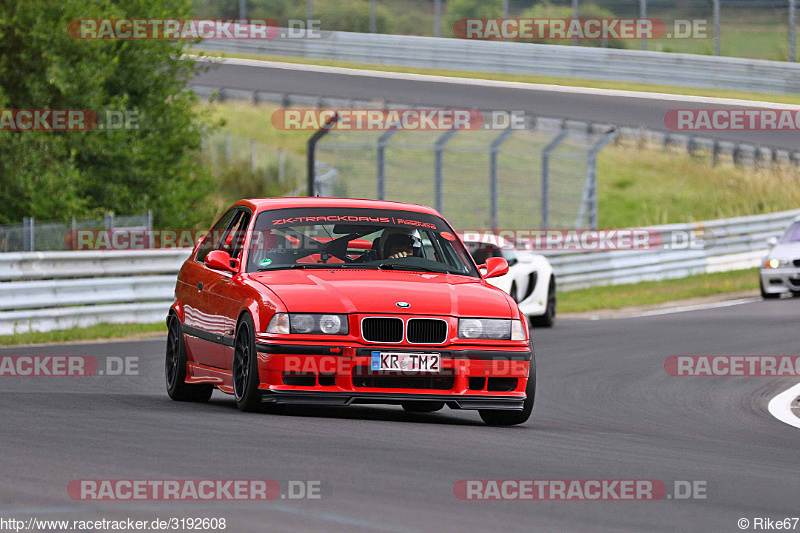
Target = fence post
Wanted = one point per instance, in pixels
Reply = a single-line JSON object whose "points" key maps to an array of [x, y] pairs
{"points": [[252, 156], [546, 176], [494, 185], [438, 179], [716, 27], [792, 30], [108, 220], [383, 140], [575, 16], [437, 18], [373, 25], [228, 156], [643, 15], [27, 234], [281, 165], [589, 200], [311, 151]]}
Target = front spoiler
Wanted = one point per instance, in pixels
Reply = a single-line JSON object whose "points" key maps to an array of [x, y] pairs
{"points": [[334, 398]]}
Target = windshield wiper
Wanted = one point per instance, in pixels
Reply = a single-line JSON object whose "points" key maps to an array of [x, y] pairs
{"points": [[411, 268]]}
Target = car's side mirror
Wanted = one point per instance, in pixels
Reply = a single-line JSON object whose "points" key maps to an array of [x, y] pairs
{"points": [[495, 267], [772, 241], [221, 260]]}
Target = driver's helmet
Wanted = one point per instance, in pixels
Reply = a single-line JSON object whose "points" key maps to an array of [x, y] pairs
{"points": [[392, 237]]}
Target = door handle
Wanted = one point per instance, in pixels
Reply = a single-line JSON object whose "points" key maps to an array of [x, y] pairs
{"points": [[200, 286]]}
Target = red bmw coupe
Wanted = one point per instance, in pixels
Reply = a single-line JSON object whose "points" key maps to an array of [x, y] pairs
{"points": [[331, 301]]}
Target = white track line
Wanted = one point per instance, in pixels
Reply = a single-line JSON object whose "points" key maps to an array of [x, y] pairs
{"points": [[683, 309], [495, 83], [780, 406]]}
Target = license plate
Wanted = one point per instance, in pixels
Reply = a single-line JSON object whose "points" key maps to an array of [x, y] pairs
{"points": [[406, 362]]}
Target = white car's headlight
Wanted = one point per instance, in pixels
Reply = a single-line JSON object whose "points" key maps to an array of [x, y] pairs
{"points": [[775, 263], [308, 324], [491, 328]]}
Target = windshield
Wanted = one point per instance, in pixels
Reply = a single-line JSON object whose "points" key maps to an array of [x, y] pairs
{"points": [[344, 238], [792, 234]]}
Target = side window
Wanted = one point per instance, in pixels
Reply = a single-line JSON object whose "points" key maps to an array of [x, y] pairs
{"points": [[212, 240], [233, 239]]}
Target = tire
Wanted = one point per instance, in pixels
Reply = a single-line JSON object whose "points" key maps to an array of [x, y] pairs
{"points": [[549, 317], [767, 295], [175, 368], [245, 367], [423, 407], [499, 417]]}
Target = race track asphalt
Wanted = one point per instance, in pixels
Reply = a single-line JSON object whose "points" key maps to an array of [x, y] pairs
{"points": [[608, 109], [605, 409]]}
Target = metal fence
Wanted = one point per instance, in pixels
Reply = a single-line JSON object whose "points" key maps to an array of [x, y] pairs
{"points": [[542, 176], [635, 66], [57, 290], [53, 235]]}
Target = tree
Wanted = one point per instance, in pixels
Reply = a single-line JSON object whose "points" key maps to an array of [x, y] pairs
{"points": [[59, 174]]}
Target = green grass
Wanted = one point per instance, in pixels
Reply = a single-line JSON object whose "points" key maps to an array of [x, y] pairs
{"points": [[527, 78], [656, 292], [98, 331]]}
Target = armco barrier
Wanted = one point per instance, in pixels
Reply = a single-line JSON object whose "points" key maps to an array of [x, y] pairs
{"points": [[56, 290], [635, 66]]}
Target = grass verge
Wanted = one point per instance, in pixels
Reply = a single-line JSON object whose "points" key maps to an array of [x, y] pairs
{"points": [[96, 332], [656, 292], [524, 78]]}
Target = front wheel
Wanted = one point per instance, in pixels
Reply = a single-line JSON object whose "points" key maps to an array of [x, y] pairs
{"points": [[498, 417], [245, 367], [549, 317], [175, 368]]}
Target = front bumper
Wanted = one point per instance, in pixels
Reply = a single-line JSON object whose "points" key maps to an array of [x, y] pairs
{"points": [[474, 378], [336, 398], [780, 280]]}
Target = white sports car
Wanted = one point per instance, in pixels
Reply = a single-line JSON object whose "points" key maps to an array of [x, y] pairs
{"points": [[530, 279]]}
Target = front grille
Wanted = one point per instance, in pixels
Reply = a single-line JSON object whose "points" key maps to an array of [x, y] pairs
{"points": [[426, 331], [380, 329], [363, 377]]}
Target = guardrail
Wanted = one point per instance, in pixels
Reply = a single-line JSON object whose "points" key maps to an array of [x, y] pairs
{"points": [[524, 58], [55, 290], [721, 245]]}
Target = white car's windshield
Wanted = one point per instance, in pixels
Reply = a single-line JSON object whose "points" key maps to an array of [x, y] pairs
{"points": [[356, 238], [792, 234]]}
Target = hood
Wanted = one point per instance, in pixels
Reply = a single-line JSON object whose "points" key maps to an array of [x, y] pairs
{"points": [[378, 291], [786, 250]]}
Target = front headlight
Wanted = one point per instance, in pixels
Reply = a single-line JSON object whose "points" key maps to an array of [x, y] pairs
{"points": [[491, 328], [775, 263], [308, 324]]}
